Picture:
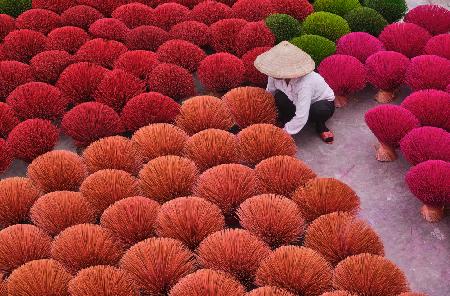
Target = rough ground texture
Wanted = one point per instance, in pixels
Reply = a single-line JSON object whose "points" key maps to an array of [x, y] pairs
{"points": [[414, 3], [421, 249]]}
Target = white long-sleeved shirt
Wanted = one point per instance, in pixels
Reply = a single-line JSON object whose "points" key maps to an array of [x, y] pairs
{"points": [[303, 92]]}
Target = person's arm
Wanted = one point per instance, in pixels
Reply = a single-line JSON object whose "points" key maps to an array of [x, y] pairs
{"points": [[302, 106], [271, 86]]}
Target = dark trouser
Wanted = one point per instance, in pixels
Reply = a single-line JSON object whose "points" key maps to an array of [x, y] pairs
{"points": [[319, 112]]}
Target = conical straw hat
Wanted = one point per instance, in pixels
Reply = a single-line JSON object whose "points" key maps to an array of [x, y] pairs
{"points": [[285, 61]]}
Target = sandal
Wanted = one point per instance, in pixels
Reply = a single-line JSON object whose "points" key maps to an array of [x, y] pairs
{"points": [[327, 137]]}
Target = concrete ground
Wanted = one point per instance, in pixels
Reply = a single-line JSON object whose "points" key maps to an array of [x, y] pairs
{"points": [[421, 249], [414, 3]]}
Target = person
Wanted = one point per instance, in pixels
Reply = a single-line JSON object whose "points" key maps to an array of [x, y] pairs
{"points": [[300, 93]]}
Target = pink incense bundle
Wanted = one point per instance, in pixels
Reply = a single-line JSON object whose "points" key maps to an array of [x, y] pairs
{"points": [[426, 143], [386, 71], [360, 45], [345, 75], [434, 18], [428, 181], [430, 106], [439, 45], [408, 39], [389, 124], [428, 71]]}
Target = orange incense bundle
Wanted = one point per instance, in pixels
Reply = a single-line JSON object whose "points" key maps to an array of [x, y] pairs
{"points": [[208, 282], [160, 139], [273, 218], [322, 196], [339, 235], [57, 170], [189, 219]]}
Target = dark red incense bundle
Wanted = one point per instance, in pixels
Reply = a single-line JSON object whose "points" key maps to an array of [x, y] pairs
{"points": [[101, 52], [149, 108], [40, 20], [220, 72], [88, 122], [78, 82], [81, 16], [172, 80], [117, 88], [140, 63], [13, 74], [38, 100], [109, 28], [134, 14], [67, 38], [253, 11], [32, 137], [192, 31], [48, 65], [146, 38], [181, 53], [209, 12], [253, 35], [167, 15], [22, 45]]}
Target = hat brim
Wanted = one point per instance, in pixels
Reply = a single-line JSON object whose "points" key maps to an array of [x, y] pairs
{"points": [[285, 61]]}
